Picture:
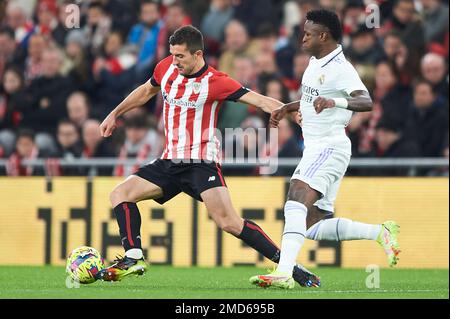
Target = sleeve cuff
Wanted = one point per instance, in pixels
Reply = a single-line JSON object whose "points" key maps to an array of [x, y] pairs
{"points": [[237, 95], [154, 82]]}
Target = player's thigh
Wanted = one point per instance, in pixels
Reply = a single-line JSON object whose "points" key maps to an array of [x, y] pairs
{"points": [[134, 189], [326, 203], [301, 192], [219, 206], [320, 170]]}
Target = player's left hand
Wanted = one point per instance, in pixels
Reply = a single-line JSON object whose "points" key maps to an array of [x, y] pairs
{"points": [[322, 103]]}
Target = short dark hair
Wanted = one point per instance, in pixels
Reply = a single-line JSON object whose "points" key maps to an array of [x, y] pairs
{"points": [[66, 121], [27, 133], [421, 81], [137, 122], [389, 124], [189, 35], [328, 19], [144, 2], [8, 31], [96, 4], [397, 2]]}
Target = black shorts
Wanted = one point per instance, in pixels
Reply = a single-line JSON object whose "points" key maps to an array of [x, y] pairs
{"points": [[174, 178]]}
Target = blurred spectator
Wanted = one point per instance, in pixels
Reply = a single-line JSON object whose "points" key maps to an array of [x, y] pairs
{"points": [[2, 10], [266, 68], [406, 22], [392, 144], [11, 100], [391, 101], [10, 53], [399, 56], [299, 65], [301, 61], [97, 28], [278, 47], [364, 47], [48, 23], [274, 88], [79, 59], [25, 149], [69, 147], [353, 16], [144, 37], [113, 73], [18, 20], [428, 121], [195, 10], [268, 40], [46, 96], [434, 70], [233, 113], [78, 108], [94, 146], [33, 63], [141, 143], [436, 24], [214, 21], [124, 13], [333, 5], [237, 42], [174, 18], [253, 13], [69, 143]]}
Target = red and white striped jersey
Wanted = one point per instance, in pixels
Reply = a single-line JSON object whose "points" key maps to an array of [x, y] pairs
{"points": [[191, 106]]}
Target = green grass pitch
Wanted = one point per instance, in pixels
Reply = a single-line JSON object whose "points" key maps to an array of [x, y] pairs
{"points": [[222, 283]]}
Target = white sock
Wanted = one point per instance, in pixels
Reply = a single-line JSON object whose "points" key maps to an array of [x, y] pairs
{"points": [[293, 235], [339, 229], [134, 253]]}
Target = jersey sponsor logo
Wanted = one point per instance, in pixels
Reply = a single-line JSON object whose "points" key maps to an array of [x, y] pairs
{"points": [[178, 102], [211, 179], [310, 90]]}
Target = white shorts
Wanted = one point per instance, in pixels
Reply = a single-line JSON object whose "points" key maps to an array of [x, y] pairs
{"points": [[323, 170]]}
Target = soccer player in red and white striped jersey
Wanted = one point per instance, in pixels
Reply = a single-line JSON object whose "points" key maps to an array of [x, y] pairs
{"points": [[193, 93]]}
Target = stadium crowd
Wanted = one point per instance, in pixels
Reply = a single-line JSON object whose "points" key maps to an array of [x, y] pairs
{"points": [[60, 79]]}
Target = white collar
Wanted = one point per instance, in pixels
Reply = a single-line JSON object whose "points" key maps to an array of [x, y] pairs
{"points": [[330, 56]]}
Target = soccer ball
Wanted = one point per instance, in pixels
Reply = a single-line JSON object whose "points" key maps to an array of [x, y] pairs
{"points": [[83, 264]]}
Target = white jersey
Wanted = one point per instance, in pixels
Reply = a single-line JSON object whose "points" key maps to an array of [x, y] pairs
{"points": [[331, 77]]}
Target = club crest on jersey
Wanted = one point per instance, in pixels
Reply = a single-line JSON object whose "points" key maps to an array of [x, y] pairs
{"points": [[322, 79], [197, 87]]}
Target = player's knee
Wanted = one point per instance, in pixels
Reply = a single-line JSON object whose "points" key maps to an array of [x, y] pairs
{"points": [[117, 196], [230, 225], [297, 193]]}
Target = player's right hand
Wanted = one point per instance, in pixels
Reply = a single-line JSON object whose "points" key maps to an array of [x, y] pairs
{"points": [[108, 125], [276, 116]]}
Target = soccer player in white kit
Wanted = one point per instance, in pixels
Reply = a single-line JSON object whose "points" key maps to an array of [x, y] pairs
{"points": [[331, 90]]}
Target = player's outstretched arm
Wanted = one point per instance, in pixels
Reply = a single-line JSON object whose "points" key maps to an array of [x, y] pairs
{"points": [[136, 98], [359, 101], [267, 104], [292, 108]]}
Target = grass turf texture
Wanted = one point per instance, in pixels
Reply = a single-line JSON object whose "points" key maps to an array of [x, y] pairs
{"points": [[214, 283]]}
